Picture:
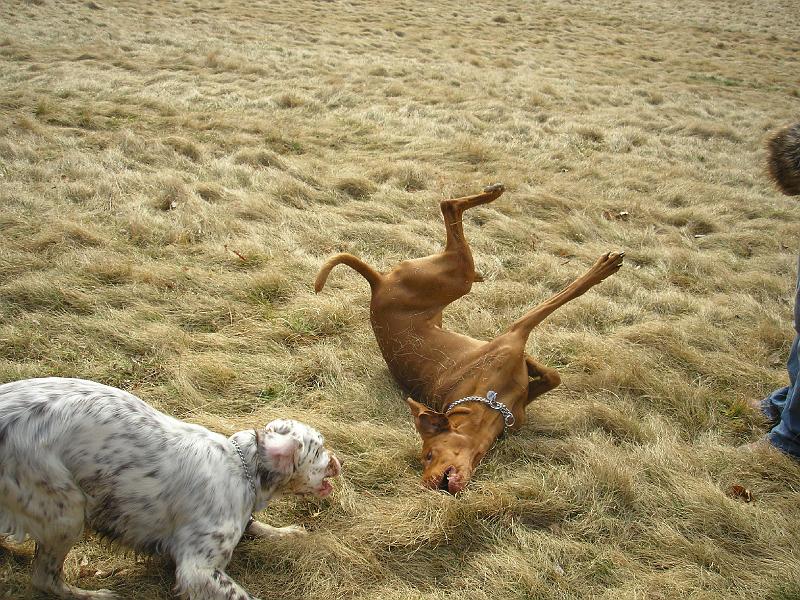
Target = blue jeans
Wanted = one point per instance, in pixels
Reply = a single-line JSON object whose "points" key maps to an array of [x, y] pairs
{"points": [[783, 405]]}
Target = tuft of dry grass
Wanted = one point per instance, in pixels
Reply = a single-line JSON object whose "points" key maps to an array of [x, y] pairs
{"points": [[165, 202]]}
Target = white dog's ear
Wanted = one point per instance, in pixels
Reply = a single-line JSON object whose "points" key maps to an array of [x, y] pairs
{"points": [[279, 452]]}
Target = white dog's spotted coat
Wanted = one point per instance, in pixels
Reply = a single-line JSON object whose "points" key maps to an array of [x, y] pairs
{"points": [[75, 452]]}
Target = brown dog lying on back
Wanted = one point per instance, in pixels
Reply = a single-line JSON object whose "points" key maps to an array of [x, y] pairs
{"points": [[468, 391]]}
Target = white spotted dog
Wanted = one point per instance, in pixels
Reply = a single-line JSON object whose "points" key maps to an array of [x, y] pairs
{"points": [[75, 452]]}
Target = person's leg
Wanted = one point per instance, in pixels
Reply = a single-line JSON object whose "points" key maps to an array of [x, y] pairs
{"points": [[772, 406], [786, 434]]}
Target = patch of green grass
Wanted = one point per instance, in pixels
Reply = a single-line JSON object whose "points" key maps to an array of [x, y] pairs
{"points": [[717, 79]]}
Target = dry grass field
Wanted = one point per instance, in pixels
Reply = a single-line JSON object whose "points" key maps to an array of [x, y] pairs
{"points": [[172, 174]]}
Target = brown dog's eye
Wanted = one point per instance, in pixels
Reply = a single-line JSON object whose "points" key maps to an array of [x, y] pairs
{"points": [[429, 455]]}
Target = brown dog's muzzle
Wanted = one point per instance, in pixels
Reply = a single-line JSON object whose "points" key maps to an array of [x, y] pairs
{"points": [[450, 481]]}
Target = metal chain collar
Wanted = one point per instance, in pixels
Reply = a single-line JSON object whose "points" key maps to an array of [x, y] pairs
{"points": [[244, 466], [492, 402]]}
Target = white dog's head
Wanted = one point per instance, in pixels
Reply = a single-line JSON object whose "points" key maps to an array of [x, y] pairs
{"points": [[297, 452]]}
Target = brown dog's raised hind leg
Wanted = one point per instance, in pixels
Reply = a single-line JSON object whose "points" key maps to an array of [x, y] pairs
{"points": [[457, 254], [453, 209]]}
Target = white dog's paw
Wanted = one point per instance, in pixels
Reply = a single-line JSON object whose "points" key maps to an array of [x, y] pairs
{"points": [[81, 594], [291, 530], [262, 530]]}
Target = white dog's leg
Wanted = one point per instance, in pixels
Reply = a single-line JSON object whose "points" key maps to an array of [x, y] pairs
{"points": [[262, 530], [195, 579], [202, 551], [54, 538]]}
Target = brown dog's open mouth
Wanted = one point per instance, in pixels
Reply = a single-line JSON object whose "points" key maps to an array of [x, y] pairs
{"points": [[444, 483]]}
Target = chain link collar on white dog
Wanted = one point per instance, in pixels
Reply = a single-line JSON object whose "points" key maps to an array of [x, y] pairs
{"points": [[244, 466], [492, 402]]}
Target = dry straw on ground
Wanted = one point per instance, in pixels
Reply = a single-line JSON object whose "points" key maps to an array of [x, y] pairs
{"points": [[172, 174]]}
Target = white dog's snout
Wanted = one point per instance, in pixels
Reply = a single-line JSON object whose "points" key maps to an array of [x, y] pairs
{"points": [[334, 467]]}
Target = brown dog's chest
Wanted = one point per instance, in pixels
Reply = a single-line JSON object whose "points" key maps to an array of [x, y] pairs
{"points": [[437, 366]]}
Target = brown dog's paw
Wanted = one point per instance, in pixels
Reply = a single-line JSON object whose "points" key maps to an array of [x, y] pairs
{"points": [[607, 264], [495, 187], [611, 260]]}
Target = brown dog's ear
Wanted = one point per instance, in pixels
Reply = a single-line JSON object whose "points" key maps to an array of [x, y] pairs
{"points": [[428, 422], [416, 407]]}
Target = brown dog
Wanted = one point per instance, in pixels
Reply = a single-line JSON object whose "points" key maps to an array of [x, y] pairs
{"points": [[496, 380]]}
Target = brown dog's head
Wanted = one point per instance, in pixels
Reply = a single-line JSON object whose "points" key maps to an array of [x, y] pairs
{"points": [[449, 457]]}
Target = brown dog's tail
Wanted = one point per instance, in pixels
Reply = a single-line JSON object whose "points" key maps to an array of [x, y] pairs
{"points": [[370, 274]]}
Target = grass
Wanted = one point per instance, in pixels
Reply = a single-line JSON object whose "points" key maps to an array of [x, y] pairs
{"points": [[173, 174]]}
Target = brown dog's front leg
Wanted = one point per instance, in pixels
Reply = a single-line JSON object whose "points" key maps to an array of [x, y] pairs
{"points": [[606, 265], [543, 378]]}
